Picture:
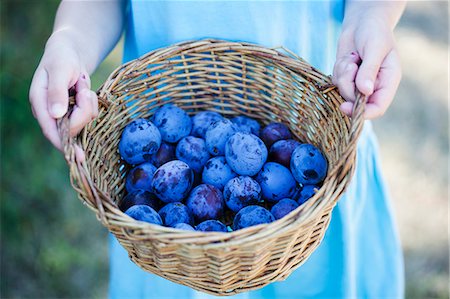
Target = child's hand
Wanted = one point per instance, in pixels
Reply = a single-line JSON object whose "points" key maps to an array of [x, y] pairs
{"points": [[60, 69], [368, 61]]}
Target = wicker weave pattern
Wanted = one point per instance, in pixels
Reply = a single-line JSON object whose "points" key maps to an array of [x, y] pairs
{"points": [[232, 79]]}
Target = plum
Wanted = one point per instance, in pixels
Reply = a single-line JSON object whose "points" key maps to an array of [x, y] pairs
{"points": [[308, 164], [245, 153], [202, 121], [192, 150], [276, 182], [173, 122], [165, 153], [211, 226], [283, 207], [184, 226], [217, 172], [217, 135], [144, 213], [140, 177], [172, 181], [174, 213], [281, 151], [205, 202], [274, 132], [139, 140], [139, 197], [240, 192], [251, 215], [246, 124], [306, 193]]}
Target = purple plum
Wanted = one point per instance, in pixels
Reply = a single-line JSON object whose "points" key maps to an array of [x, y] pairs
{"points": [[283, 207], [252, 215], [165, 154], [173, 122], [245, 153], [205, 202], [139, 140], [139, 197], [202, 121], [217, 172], [281, 151], [192, 150], [172, 181], [274, 132], [174, 213], [276, 182], [140, 177], [246, 124], [217, 136], [308, 164], [240, 192], [211, 226], [144, 213]]}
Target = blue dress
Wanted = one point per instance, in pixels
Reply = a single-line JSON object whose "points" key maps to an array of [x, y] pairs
{"points": [[360, 255]]}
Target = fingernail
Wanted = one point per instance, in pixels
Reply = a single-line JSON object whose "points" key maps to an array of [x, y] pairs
{"points": [[58, 110], [369, 85]]}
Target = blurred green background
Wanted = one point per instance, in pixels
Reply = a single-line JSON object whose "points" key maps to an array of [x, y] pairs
{"points": [[53, 247]]}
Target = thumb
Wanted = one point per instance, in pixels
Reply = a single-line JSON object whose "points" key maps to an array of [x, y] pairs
{"points": [[368, 70], [59, 82]]}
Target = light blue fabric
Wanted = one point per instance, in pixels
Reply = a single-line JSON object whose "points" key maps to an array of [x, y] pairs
{"points": [[360, 256]]}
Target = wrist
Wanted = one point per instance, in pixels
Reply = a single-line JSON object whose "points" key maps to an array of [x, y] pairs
{"points": [[72, 40], [385, 13]]}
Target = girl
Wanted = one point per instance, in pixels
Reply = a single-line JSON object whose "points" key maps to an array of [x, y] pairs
{"points": [[360, 255]]}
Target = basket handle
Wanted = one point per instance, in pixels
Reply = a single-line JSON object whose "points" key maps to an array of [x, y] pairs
{"points": [[79, 174], [356, 126]]}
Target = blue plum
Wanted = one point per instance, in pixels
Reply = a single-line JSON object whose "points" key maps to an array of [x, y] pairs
{"points": [[212, 226], [217, 172], [308, 164], [165, 153], [240, 192], [144, 213], [192, 150], [139, 197], [276, 182], [217, 135], [184, 226], [251, 215], [281, 151], [174, 213], [246, 124], [245, 153], [140, 139], [205, 202], [173, 122], [172, 181], [283, 207], [140, 177], [202, 121], [306, 193], [274, 132]]}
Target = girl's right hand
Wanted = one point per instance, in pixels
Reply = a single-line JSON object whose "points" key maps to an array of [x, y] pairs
{"points": [[60, 69]]}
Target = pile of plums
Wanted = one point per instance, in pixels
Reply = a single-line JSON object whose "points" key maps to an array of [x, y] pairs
{"points": [[210, 173]]}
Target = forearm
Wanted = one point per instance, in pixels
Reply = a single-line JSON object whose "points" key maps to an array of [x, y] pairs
{"points": [[92, 27], [388, 12]]}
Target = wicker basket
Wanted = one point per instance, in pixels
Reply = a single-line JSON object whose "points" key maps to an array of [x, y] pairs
{"points": [[229, 78]]}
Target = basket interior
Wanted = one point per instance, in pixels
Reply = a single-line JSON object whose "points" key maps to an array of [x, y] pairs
{"points": [[230, 82]]}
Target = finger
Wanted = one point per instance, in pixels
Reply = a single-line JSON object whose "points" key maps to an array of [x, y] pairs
{"points": [[347, 108], [82, 112], [344, 75], [372, 58], [79, 154], [59, 82], [386, 87], [38, 100], [84, 83]]}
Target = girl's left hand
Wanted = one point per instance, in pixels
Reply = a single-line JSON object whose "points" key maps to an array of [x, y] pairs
{"points": [[368, 61]]}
